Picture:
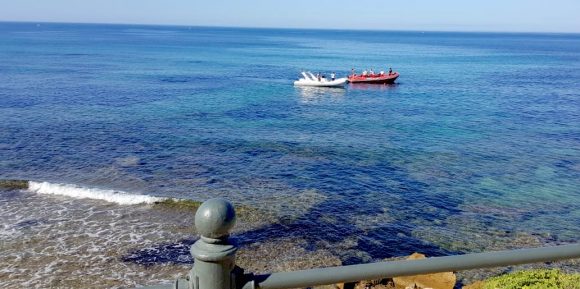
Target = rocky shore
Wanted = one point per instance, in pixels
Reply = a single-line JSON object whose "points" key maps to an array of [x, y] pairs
{"points": [[74, 243], [524, 279]]}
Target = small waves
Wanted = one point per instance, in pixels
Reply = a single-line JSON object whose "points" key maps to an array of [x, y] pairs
{"points": [[79, 192]]}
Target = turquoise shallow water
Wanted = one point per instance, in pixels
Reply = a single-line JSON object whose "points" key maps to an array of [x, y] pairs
{"points": [[481, 133]]}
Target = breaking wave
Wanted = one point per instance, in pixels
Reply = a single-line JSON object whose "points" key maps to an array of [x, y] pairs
{"points": [[74, 191]]}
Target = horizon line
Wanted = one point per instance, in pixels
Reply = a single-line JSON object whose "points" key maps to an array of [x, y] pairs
{"points": [[289, 28]]}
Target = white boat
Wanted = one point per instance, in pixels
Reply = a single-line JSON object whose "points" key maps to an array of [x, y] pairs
{"points": [[310, 80]]}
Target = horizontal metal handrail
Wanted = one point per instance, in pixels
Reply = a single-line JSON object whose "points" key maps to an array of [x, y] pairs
{"points": [[353, 273], [214, 265]]}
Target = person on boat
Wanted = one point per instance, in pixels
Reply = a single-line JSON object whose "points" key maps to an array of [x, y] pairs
{"points": [[318, 76], [332, 76], [352, 72], [390, 71]]}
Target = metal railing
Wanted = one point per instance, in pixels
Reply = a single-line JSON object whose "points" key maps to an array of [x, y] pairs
{"points": [[214, 260]]}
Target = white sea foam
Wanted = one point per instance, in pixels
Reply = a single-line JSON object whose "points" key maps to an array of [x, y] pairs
{"points": [[74, 191]]}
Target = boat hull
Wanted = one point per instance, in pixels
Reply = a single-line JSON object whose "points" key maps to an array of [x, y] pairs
{"points": [[380, 79], [340, 82]]}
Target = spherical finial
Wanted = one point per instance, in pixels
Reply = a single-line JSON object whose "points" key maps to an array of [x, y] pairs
{"points": [[214, 218]]}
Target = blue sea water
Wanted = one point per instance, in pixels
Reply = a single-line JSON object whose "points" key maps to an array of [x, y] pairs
{"points": [[482, 130]]}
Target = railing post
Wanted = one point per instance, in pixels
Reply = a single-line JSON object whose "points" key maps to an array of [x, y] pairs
{"points": [[214, 256]]}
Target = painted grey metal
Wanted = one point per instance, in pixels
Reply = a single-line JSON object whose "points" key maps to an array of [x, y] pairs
{"points": [[214, 260], [214, 256], [352, 273]]}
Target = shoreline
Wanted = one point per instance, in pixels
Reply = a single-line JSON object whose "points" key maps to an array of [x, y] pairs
{"points": [[150, 239]]}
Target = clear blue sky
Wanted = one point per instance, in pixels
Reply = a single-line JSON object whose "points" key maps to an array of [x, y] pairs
{"points": [[446, 15]]}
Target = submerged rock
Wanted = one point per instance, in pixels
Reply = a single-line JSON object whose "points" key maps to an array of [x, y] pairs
{"points": [[14, 184], [244, 213], [178, 204], [283, 255]]}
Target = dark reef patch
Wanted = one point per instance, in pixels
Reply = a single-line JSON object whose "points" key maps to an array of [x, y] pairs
{"points": [[13, 184]]}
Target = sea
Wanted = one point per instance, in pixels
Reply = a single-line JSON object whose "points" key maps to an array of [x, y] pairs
{"points": [[476, 147]]}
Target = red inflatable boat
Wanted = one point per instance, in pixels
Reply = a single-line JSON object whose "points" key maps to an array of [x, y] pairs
{"points": [[374, 78]]}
